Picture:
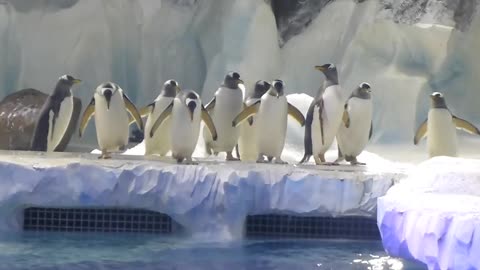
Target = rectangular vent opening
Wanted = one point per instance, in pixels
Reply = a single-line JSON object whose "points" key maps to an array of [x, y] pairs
{"points": [[98, 220], [354, 228]]}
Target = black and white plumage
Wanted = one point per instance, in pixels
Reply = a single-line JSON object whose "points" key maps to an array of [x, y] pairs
{"points": [[324, 116], [186, 112], [225, 105], [271, 113], [440, 128], [247, 141], [159, 144], [55, 116], [356, 129], [111, 106]]}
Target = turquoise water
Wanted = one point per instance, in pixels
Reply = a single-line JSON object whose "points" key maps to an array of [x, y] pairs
{"points": [[113, 251]]}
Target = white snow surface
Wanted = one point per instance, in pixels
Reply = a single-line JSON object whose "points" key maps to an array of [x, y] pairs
{"points": [[434, 214], [209, 200]]}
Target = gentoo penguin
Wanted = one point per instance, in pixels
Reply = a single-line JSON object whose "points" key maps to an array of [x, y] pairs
{"points": [[439, 128], [271, 117], [55, 116], [110, 105], [324, 116], [247, 142], [160, 142], [185, 111], [225, 105], [356, 129]]}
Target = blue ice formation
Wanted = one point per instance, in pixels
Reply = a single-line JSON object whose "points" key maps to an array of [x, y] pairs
{"points": [[211, 199], [433, 216]]}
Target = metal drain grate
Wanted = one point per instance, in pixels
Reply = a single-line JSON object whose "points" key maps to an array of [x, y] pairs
{"points": [[359, 228], [97, 220]]}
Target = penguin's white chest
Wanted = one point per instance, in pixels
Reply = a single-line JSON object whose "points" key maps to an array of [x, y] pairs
{"points": [[247, 142], [184, 130], [111, 124], [271, 125], [352, 140], [160, 142], [228, 104], [61, 123], [441, 133], [331, 116]]}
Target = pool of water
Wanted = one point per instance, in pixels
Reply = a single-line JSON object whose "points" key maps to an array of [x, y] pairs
{"points": [[113, 251]]}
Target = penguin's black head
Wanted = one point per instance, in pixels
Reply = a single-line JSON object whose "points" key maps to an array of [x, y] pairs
{"points": [[365, 88], [363, 91], [330, 71], [191, 99], [170, 88], [64, 84], [438, 100], [107, 90], [261, 87], [232, 80], [69, 79], [278, 86]]}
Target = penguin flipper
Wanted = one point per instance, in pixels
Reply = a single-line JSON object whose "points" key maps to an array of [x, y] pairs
{"points": [[164, 115], [346, 117], [211, 104], [296, 114], [320, 116], [87, 114], [307, 139], [248, 111], [421, 132], [465, 125], [72, 124], [133, 111], [209, 123], [143, 112], [371, 131]]}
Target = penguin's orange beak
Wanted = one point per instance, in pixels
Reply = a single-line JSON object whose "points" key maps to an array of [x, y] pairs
{"points": [[321, 68]]}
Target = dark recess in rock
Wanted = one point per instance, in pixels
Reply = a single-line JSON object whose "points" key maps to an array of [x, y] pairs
{"points": [[26, 6], [293, 16], [19, 112], [464, 12]]}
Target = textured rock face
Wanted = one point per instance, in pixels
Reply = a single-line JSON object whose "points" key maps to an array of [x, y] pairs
{"points": [[292, 16], [18, 114], [455, 13]]}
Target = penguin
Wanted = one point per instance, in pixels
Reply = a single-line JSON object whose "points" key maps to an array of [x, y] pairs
{"points": [[356, 129], [185, 111], [225, 105], [247, 148], [55, 116], [324, 116], [160, 143], [440, 128], [271, 113], [110, 105]]}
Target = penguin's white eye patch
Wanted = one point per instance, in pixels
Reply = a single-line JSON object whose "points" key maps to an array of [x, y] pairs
{"points": [[188, 100]]}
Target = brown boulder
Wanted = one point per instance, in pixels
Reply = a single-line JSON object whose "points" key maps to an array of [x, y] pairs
{"points": [[19, 112]]}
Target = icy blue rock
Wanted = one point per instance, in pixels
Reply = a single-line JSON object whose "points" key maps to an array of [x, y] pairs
{"points": [[208, 200], [433, 216]]}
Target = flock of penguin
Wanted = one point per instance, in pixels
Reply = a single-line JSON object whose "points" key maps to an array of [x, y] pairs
{"points": [[255, 126]]}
